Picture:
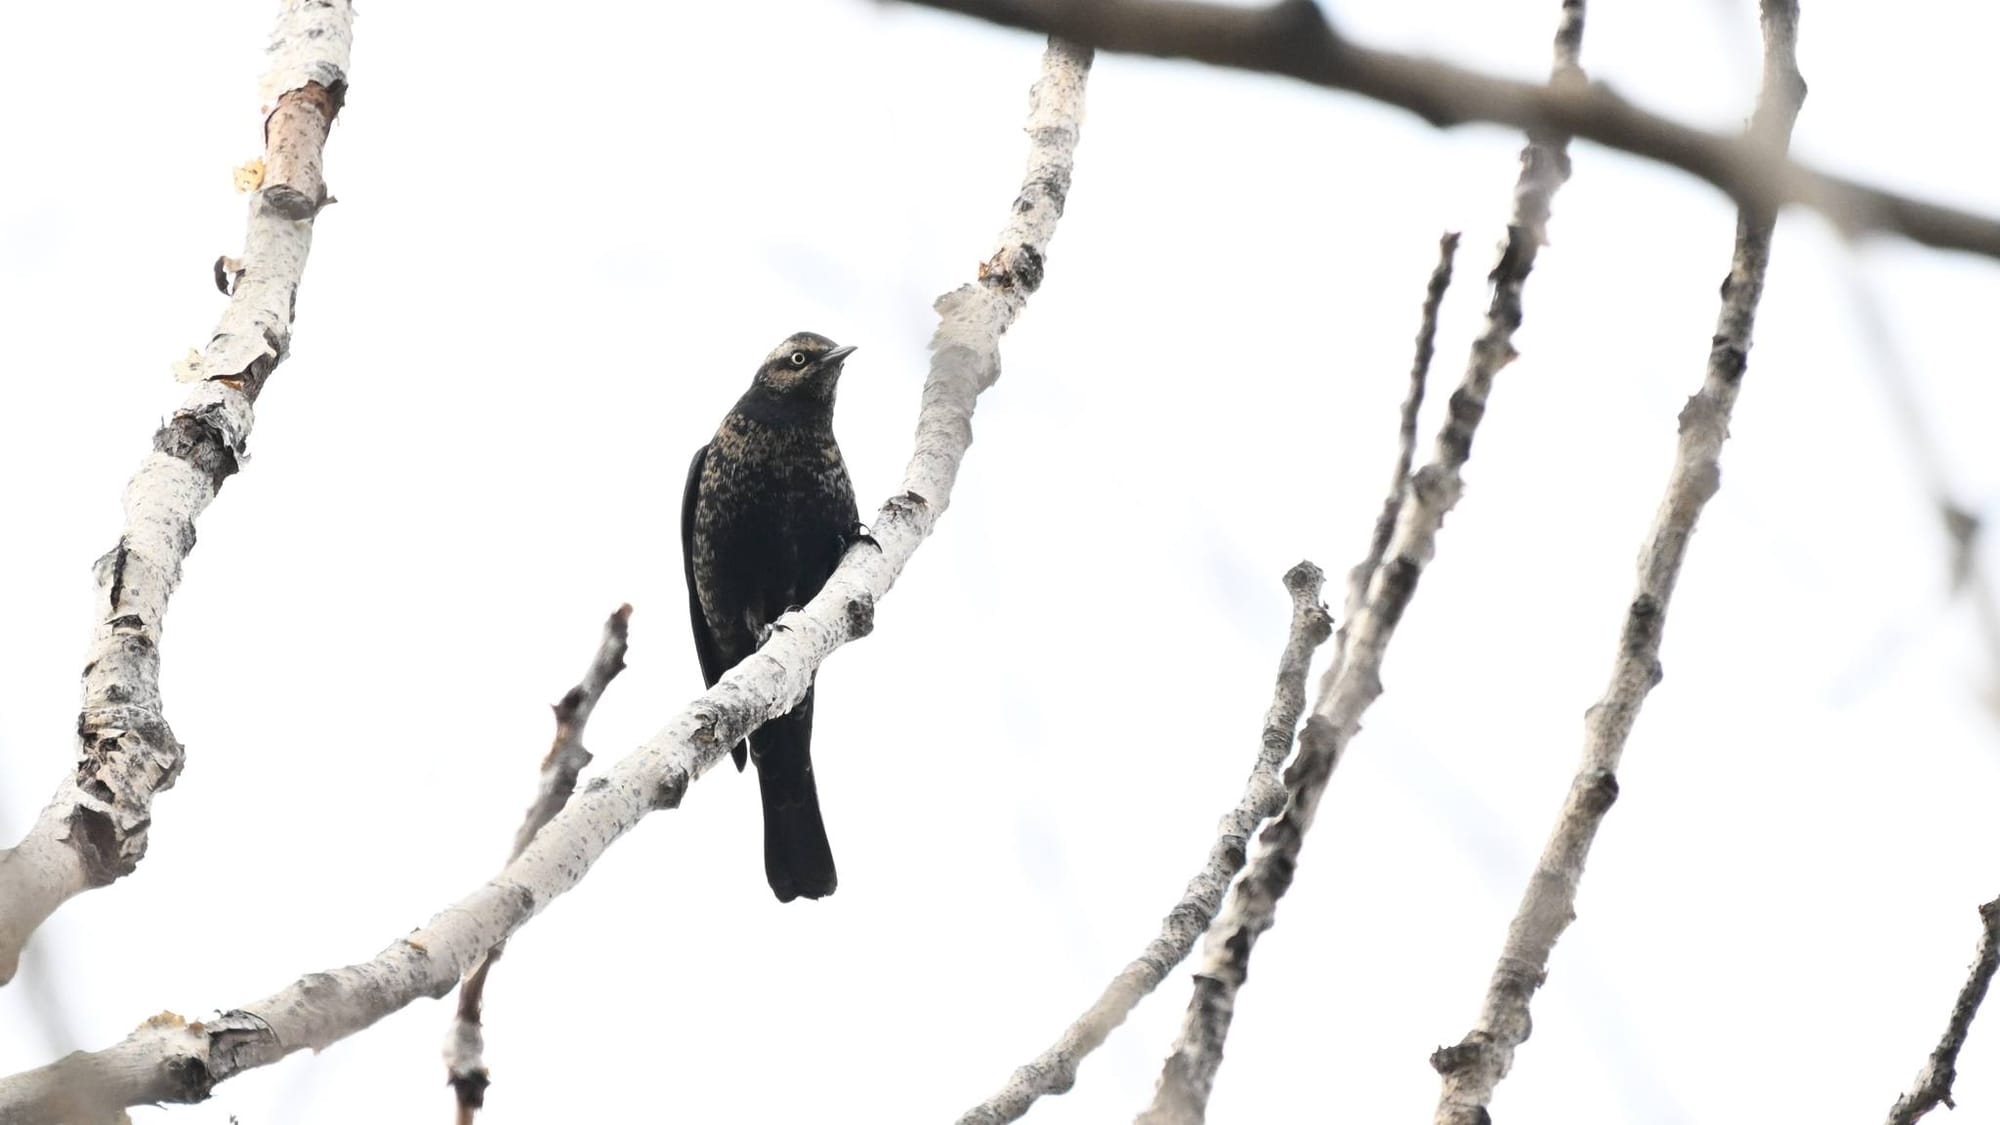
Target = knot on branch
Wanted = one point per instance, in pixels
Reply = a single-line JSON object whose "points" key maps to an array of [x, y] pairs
{"points": [[1464, 1055], [1644, 622], [189, 1078], [1464, 411], [1727, 359], [203, 440], [1398, 585], [673, 786], [1014, 267], [1052, 189], [860, 615], [289, 202], [908, 505], [470, 1087], [1599, 791]]}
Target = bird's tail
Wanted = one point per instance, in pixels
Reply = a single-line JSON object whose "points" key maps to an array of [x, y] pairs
{"points": [[798, 859]]}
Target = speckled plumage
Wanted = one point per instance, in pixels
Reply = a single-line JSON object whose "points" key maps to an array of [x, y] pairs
{"points": [[766, 511]]}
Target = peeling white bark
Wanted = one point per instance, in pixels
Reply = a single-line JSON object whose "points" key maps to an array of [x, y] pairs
{"points": [[1475, 1065], [1054, 1070], [93, 831], [183, 1063]]}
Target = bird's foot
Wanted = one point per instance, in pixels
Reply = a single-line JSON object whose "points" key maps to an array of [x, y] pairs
{"points": [[859, 533], [764, 634]]}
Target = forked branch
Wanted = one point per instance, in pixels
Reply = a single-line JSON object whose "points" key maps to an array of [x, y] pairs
{"points": [[465, 1043], [169, 1059]]}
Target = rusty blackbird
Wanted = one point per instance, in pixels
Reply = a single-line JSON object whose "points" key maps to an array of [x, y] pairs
{"points": [[766, 515]]}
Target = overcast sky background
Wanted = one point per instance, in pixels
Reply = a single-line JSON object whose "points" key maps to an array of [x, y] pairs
{"points": [[564, 238]]}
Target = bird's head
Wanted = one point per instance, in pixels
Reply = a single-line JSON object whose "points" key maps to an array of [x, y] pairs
{"points": [[807, 364]]}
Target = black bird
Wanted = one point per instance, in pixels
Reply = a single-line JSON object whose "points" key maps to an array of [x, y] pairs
{"points": [[766, 516]]}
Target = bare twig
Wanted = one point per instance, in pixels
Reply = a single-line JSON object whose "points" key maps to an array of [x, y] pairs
{"points": [[94, 830], [1054, 1070], [1292, 38], [1473, 1067], [170, 1060], [1933, 1086], [465, 1044], [1188, 1075], [1386, 582], [1363, 572]]}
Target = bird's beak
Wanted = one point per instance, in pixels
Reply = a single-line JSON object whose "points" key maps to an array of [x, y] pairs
{"points": [[837, 354]]}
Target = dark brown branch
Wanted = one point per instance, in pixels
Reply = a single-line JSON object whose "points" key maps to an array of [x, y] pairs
{"points": [[1934, 1081], [465, 1045], [1293, 39]]}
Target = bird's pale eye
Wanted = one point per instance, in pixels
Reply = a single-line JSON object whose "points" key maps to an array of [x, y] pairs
{"points": [[798, 359]]}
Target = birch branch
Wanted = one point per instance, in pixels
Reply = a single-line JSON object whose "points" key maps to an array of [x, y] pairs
{"points": [[1187, 1077], [1933, 1087], [1293, 39], [465, 1043], [170, 1060], [94, 830], [1473, 1067], [1054, 1070], [1386, 581]]}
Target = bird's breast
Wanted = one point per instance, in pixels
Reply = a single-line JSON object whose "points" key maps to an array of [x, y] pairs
{"points": [[784, 477]]}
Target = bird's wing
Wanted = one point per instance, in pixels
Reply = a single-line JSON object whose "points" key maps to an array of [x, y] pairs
{"points": [[704, 640]]}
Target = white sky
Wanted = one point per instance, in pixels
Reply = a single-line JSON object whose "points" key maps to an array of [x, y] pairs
{"points": [[562, 243]]}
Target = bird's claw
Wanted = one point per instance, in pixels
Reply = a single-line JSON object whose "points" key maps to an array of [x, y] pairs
{"points": [[859, 533], [764, 634]]}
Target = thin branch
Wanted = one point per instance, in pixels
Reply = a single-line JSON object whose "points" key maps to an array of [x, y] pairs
{"points": [[94, 830], [465, 1044], [1054, 1070], [1363, 573], [1293, 39], [1353, 680], [1187, 1077], [1933, 1087], [1473, 1067], [169, 1060]]}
